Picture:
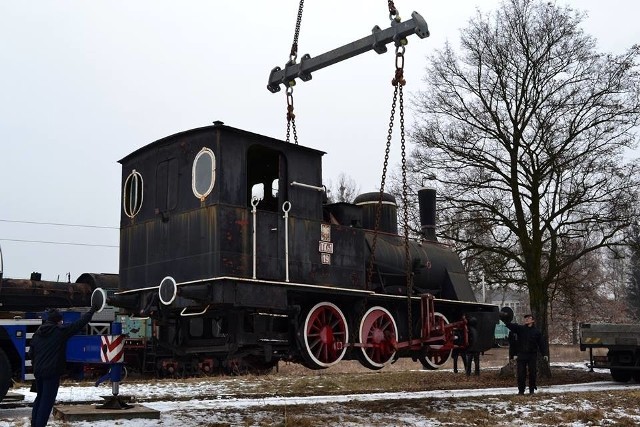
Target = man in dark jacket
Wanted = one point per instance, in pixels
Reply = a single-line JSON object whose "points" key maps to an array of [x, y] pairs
{"points": [[529, 343], [48, 356], [472, 355]]}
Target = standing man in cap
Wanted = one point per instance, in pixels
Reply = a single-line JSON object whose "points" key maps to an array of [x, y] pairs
{"points": [[529, 343], [48, 356]]}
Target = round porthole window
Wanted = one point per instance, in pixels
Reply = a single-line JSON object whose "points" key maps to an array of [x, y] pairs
{"points": [[203, 175], [132, 194]]}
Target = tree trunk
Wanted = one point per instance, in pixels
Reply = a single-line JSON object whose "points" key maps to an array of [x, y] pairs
{"points": [[539, 302], [544, 368]]}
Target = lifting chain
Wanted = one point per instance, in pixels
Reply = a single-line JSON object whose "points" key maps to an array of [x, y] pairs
{"points": [[398, 83], [296, 34], [291, 117], [393, 12], [293, 56], [372, 258]]}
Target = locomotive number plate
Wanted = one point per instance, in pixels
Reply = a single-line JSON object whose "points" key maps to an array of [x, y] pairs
{"points": [[326, 247]]}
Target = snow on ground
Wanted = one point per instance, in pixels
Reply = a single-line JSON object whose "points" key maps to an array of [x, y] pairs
{"points": [[187, 412]]}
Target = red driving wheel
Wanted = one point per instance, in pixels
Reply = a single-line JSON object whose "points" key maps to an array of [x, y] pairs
{"points": [[325, 335], [434, 356], [378, 333]]}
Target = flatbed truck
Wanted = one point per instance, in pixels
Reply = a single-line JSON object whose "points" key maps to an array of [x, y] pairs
{"points": [[622, 342]]}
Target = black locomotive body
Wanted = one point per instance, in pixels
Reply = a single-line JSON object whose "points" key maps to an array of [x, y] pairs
{"points": [[227, 242]]}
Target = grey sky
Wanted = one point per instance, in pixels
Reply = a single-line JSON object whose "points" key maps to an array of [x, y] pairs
{"points": [[84, 83]]}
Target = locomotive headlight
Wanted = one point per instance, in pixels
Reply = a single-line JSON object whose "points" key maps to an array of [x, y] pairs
{"points": [[18, 334]]}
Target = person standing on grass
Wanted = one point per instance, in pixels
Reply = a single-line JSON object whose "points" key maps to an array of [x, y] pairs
{"points": [[472, 355], [529, 343], [458, 351], [48, 356]]}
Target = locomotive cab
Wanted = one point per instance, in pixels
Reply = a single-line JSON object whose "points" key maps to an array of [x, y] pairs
{"points": [[187, 212]]}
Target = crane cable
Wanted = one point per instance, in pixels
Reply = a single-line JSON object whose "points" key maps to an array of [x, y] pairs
{"points": [[398, 82], [293, 56]]}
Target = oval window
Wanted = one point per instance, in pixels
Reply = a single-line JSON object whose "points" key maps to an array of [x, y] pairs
{"points": [[132, 194], [203, 175]]}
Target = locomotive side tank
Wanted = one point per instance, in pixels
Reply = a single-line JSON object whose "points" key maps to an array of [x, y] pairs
{"points": [[227, 242]]}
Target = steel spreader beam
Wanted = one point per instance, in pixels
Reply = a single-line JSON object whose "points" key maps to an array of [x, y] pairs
{"points": [[377, 41]]}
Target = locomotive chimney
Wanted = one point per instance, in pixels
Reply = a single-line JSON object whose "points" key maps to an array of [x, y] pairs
{"points": [[427, 204]]}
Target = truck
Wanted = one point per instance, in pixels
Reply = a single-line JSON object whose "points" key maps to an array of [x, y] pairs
{"points": [[23, 303], [622, 344]]}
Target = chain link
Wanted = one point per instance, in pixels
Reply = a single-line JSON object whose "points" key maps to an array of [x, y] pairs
{"points": [[294, 46], [398, 78], [291, 117], [393, 12]]}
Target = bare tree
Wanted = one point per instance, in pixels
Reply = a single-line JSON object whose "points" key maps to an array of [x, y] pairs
{"points": [[345, 190], [525, 133], [579, 295]]}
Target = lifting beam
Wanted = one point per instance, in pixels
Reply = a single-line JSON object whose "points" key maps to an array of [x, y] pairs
{"points": [[376, 41]]}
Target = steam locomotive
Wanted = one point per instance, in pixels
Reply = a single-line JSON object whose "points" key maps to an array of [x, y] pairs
{"points": [[228, 243]]}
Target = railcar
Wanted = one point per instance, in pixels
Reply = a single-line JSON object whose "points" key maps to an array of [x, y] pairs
{"points": [[228, 243]]}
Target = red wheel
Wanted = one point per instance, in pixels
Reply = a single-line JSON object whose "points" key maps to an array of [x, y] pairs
{"points": [[379, 331], [325, 335], [434, 357]]}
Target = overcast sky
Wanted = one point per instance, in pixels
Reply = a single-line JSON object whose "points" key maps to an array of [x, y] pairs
{"points": [[84, 83]]}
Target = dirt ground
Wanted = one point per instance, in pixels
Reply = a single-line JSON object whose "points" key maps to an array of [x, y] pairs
{"points": [[496, 357], [398, 384]]}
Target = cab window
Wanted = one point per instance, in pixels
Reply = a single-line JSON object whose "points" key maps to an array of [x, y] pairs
{"points": [[268, 168]]}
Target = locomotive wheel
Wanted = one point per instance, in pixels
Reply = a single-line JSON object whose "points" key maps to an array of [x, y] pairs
{"points": [[621, 375], [325, 336], [433, 357], [5, 374], [379, 329]]}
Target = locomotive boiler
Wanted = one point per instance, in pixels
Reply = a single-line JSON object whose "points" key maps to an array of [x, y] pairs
{"points": [[34, 294], [227, 242]]}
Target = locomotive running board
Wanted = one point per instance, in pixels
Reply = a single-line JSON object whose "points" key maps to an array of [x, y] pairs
{"points": [[249, 280], [296, 285]]}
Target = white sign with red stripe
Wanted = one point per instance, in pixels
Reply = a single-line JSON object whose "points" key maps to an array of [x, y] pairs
{"points": [[112, 349]]}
